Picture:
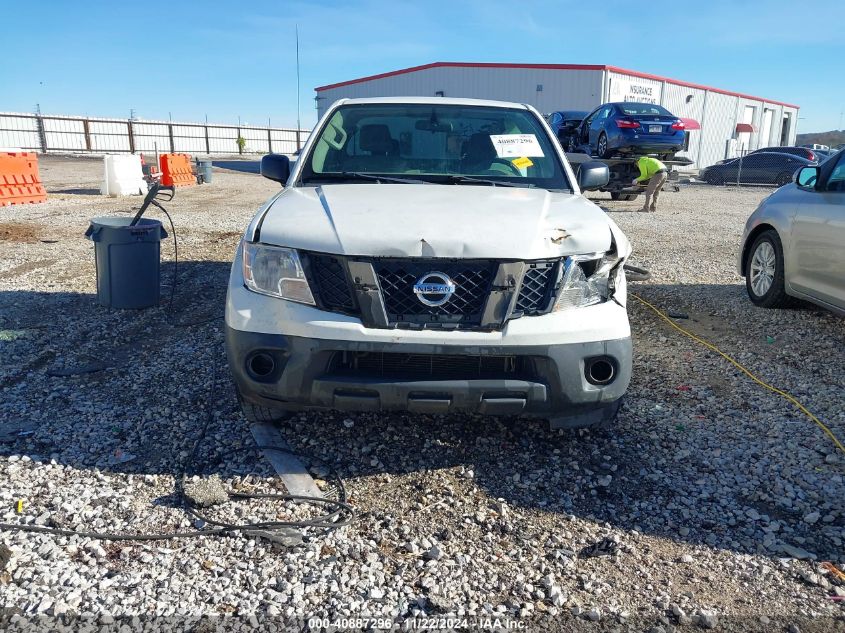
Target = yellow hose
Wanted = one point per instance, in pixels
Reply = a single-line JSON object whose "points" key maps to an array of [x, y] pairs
{"points": [[744, 370]]}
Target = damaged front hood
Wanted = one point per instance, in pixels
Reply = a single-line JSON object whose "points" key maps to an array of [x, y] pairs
{"points": [[428, 220]]}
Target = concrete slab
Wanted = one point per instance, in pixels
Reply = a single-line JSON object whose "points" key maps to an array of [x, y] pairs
{"points": [[292, 471]]}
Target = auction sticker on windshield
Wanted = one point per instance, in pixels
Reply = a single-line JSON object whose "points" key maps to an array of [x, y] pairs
{"points": [[516, 145]]}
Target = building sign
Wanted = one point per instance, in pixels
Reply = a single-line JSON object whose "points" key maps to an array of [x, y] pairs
{"points": [[631, 89]]}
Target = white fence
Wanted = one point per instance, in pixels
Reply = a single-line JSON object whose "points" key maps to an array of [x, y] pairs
{"points": [[67, 134]]}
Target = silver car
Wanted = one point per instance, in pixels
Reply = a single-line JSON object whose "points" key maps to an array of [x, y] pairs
{"points": [[794, 243]]}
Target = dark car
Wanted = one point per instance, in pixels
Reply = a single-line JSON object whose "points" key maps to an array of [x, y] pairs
{"points": [[564, 124], [757, 168], [632, 128], [804, 152]]}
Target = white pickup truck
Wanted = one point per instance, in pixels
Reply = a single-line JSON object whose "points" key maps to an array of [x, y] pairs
{"points": [[431, 255]]}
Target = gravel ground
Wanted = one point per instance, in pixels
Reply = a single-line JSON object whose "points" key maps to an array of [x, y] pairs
{"points": [[714, 501]]}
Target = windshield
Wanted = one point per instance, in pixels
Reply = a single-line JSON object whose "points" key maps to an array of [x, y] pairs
{"points": [[447, 144], [643, 108]]}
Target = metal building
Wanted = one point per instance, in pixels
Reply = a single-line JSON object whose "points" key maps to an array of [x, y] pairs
{"points": [[731, 123]]}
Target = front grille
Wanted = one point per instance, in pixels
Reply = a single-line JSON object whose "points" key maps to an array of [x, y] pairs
{"points": [[472, 281], [330, 283], [537, 288], [332, 287], [428, 366]]}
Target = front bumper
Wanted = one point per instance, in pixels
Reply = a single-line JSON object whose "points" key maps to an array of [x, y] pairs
{"points": [[310, 373], [546, 357]]}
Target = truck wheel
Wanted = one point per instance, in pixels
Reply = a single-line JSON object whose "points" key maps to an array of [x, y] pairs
{"points": [[593, 418], [615, 195], [764, 274], [255, 413], [630, 196], [601, 147]]}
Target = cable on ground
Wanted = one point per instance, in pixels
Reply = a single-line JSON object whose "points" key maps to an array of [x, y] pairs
{"points": [[340, 515], [790, 398]]}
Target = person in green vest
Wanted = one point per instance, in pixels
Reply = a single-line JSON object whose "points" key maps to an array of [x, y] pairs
{"points": [[653, 172]]}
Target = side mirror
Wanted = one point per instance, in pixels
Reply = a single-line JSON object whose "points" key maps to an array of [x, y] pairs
{"points": [[593, 175], [807, 177], [275, 167]]}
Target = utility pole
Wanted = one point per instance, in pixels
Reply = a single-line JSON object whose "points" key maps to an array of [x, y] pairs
{"points": [[39, 125]]}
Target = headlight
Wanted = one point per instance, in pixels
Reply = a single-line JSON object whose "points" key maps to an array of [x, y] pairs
{"points": [[588, 280], [275, 271]]}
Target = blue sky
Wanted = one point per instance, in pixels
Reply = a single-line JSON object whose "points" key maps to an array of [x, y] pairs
{"points": [[236, 59]]}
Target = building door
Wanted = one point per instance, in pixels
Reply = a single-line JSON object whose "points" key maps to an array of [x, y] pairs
{"points": [[766, 128], [784, 131]]}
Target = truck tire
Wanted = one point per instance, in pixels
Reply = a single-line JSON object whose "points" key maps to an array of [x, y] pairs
{"points": [[625, 197], [257, 414]]}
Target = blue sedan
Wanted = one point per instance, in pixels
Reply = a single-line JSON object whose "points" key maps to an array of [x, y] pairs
{"points": [[632, 128]]}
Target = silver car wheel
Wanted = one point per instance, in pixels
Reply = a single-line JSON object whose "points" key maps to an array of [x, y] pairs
{"points": [[763, 266]]}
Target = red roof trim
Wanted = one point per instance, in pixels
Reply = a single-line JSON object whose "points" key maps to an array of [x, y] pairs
{"points": [[745, 127], [615, 69]]}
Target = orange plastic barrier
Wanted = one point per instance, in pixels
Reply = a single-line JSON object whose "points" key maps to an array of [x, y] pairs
{"points": [[176, 170], [19, 179]]}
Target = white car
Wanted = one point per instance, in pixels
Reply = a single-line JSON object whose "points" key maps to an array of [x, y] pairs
{"points": [[794, 243], [431, 255]]}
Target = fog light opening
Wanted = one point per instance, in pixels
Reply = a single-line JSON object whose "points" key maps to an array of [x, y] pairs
{"points": [[260, 365], [600, 371]]}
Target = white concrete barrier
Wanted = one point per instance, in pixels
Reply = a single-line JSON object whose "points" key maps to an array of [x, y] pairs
{"points": [[122, 176]]}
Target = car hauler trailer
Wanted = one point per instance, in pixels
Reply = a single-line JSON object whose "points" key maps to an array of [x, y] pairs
{"points": [[624, 170]]}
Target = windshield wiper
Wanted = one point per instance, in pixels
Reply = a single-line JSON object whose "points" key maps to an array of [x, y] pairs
{"points": [[455, 179], [345, 175]]}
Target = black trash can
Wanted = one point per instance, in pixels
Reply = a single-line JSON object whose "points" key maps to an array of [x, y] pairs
{"points": [[128, 261], [203, 171]]}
